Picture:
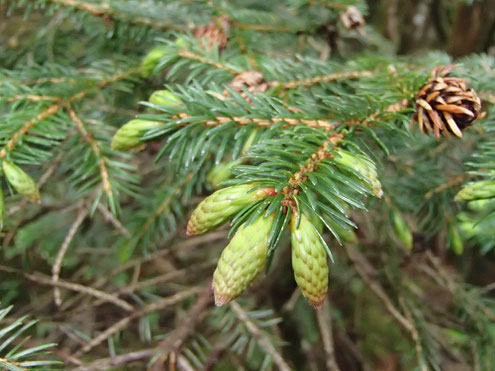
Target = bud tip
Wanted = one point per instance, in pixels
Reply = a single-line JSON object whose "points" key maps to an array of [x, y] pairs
{"points": [[318, 305], [220, 299], [190, 230]]}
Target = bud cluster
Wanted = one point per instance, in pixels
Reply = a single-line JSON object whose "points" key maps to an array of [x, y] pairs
{"points": [[246, 254]]}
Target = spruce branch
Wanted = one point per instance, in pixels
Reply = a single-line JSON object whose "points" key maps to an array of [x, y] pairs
{"points": [[323, 152], [40, 81], [21, 139], [158, 305], [266, 123], [102, 160], [33, 98], [165, 205], [365, 270], [260, 336], [108, 13], [187, 54], [171, 345], [109, 217], [76, 287], [12, 142], [251, 107], [320, 79], [415, 336], [81, 216], [183, 246], [325, 325], [264, 27], [166, 277], [14, 355]]}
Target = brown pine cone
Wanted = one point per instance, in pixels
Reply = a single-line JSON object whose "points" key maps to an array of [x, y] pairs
{"points": [[445, 106], [216, 33]]}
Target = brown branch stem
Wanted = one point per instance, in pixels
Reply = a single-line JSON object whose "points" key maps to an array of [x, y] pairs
{"points": [[320, 79], [105, 11], [83, 212], [325, 324], [365, 269], [121, 324], [176, 339], [95, 147], [259, 336], [76, 287], [50, 111]]}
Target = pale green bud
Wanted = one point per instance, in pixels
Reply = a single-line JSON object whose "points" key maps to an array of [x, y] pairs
{"points": [[402, 229], [21, 182], [165, 98], [217, 208], [249, 142], [181, 42], [468, 225], [221, 172], [242, 260], [481, 205], [309, 260], [128, 136], [347, 235], [455, 240], [469, 228], [152, 59], [475, 191], [363, 166]]}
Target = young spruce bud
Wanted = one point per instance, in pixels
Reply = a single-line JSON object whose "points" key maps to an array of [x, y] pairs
{"points": [[221, 172], [151, 60], [401, 229], [363, 166], [165, 98], [455, 240], [309, 260], [476, 191], [21, 182], [128, 135], [217, 208], [242, 260]]}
